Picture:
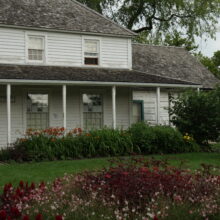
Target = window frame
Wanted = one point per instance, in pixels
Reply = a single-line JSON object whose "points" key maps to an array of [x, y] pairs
{"points": [[37, 35], [48, 107], [25, 92], [102, 106], [84, 39]]}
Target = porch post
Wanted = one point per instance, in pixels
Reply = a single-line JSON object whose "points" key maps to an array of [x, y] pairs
{"points": [[198, 90], [64, 107], [114, 107], [158, 105], [8, 114]]}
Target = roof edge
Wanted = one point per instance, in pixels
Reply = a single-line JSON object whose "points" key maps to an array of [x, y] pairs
{"points": [[94, 83], [153, 45], [63, 31], [166, 77], [95, 12]]}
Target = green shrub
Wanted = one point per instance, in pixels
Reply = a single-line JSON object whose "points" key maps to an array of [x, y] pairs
{"points": [[55, 144], [198, 114], [142, 136], [160, 139]]}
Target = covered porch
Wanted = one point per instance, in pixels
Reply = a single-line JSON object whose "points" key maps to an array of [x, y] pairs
{"points": [[38, 97]]}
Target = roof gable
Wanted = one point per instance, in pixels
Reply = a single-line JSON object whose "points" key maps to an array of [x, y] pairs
{"points": [[66, 15], [172, 62]]}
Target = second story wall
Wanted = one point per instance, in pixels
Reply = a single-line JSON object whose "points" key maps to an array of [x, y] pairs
{"points": [[64, 49]]}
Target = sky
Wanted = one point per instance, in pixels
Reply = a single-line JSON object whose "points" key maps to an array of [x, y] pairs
{"points": [[209, 46]]}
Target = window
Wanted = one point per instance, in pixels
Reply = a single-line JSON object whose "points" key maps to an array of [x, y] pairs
{"points": [[36, 48], [138, 111], [92, 111], [91, 52], [37, 111]]}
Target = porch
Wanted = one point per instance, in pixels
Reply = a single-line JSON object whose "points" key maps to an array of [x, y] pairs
{"points": [[69, 106]]}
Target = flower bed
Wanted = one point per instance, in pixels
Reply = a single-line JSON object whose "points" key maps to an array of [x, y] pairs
{"points": [[130, 189], [58, 144]]}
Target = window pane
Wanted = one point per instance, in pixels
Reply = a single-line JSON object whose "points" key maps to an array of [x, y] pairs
{"points": [[37, 111], [92, 111], [91, 46], [91, 61], [36, 43]]}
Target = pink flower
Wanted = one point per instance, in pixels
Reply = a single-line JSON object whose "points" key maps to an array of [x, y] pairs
{"points": [[108, 176]]}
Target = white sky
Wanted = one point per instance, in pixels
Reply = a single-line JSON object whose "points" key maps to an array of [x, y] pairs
{"points": [[210, 46]]}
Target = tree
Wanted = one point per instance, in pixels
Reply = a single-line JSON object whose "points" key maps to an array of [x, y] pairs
{"points": [[212, 64], [157, 19]]}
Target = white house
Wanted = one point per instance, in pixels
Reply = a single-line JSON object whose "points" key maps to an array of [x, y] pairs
{"points": [[64, 65]]}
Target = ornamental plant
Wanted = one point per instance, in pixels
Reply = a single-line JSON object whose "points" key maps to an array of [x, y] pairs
{"points": [[134, 188], [198, 114]]}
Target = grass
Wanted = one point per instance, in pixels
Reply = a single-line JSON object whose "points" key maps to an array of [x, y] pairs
{"points": [[48, 171]]}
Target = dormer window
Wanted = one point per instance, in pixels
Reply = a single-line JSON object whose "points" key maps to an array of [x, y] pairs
{"points": [[36, 49], [91, 52]]}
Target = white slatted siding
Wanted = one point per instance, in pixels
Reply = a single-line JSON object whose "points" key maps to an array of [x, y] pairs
{"points": [[12, 46], [114, 53], [64, 49], [150, 105]]}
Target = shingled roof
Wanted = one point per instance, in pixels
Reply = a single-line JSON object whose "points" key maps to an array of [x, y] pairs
{"points": [[66, 15], [172, 62], [76, 74]]}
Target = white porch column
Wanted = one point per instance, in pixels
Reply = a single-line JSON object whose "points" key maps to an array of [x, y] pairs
{"points": [[8, 114], [64, 107], [158, 105], [198, 90], [114, 107]]}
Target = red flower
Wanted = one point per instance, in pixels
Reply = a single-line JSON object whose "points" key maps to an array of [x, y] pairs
{"points": [[39, 217], [15, 212], [21, 184], [59, 217], [32, 186], [26, 217], [125, 173], [155, 218], [144, 169], [3, 215], [108, 176]]}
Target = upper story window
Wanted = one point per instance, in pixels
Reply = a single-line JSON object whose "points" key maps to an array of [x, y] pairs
{"points": [[36, 48], [91, 52]]}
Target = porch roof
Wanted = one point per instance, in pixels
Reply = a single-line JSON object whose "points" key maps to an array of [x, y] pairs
{"points": [[57, 74]]}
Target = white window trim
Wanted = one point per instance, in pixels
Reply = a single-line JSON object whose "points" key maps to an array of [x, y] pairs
{"points": [[35, 91], [84, 38], [91, 91], [40, 35]]}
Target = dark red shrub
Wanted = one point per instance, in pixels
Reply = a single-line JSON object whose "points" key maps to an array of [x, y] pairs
{"points": [[3, 215], [59, 217], [39, 217]]}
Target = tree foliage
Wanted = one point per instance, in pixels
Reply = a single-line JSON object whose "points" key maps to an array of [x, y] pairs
{"points": [[213, 63], [198, 115], [158, 19]]}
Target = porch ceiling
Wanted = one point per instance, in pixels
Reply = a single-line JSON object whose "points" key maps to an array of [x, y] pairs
{"points": [[57, 74]]}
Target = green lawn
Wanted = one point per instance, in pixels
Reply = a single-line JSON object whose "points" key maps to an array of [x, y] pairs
{"points": [[48, 171]]}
